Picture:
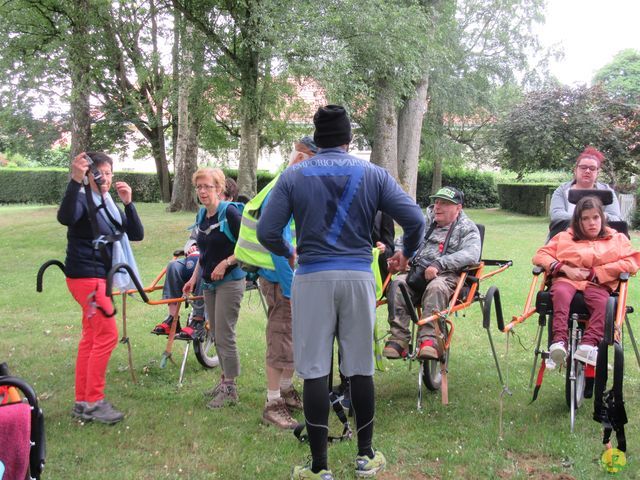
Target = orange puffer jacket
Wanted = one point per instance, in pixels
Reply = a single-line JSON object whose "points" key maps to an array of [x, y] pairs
{"points": [[608, 256]]}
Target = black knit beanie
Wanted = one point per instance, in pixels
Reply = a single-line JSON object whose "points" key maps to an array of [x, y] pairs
{"points": [[333, 127]]}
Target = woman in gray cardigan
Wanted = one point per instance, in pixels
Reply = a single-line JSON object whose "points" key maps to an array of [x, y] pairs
{"points": [[585, 175]]}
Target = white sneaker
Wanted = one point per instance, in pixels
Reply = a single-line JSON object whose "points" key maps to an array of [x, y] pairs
{"points": [[587, 354], [550, 364], [558, 353]]}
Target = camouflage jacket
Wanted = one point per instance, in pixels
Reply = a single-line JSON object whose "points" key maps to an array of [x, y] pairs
{"points": [[462, 250]]}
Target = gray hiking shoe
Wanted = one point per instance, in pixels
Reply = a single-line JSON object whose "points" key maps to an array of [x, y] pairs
{"points": [[78, 409], [209, 394], [226, 394], [276, 413], [103, 412]]}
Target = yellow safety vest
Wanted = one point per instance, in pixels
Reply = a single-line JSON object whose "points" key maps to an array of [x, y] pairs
{"points": [[249, 252], [375, 267]]}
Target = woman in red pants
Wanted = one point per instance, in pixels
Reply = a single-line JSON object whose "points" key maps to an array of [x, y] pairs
{"points": [[98, 236], [588, 257]]}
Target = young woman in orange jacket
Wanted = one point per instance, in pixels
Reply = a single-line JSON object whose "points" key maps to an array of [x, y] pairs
{"points": [[588, 257]]}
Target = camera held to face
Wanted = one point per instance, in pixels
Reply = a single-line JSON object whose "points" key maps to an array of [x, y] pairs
{"points": [[97, 175]]}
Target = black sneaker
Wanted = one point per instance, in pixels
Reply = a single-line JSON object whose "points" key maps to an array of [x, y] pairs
{"points": [[103, 412]]}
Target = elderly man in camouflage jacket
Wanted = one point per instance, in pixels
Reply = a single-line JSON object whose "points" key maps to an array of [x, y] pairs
{"points": [[452, 242]]}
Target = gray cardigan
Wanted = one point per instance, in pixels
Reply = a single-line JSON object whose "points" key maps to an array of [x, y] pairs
{"points": [[559, 209]]}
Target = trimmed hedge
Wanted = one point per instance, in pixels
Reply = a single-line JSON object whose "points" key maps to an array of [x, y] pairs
{"points": [[525, 198], [32, 186], [48, 185], [479, 188]]}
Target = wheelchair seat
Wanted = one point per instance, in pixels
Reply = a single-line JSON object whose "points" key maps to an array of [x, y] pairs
{"points": [[544, 304], [22, 434]]}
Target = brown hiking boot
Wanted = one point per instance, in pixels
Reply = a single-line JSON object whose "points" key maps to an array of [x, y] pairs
{"points": [[225, 394], [395, 349], [291, 398], [431, 348], [276, 413]]}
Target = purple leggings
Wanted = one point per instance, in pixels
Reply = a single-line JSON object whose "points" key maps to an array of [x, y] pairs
{"points": [[596, 299]]}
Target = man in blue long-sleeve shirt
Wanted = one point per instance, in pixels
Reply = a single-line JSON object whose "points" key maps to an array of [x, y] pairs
{"points": [[334, 198]]}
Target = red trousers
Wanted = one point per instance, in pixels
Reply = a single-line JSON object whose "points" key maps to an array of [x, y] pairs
{"points": [[99, 337], [595, 297]]}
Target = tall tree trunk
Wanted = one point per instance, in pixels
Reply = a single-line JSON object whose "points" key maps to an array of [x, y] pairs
{"points": [[178, 32], [156, 106], [249, 127], [181, 196], [79, 67], [159, 153], [384, 152], [186, 146], [409, 132], [436, 180], [248, 165]]}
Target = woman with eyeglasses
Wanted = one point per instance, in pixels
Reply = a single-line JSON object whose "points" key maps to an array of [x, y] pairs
{"points": [[98, 235], [223, 281], [585, 175]]}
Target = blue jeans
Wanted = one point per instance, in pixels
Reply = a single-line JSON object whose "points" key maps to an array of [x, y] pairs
{"points": [[178, 273]]}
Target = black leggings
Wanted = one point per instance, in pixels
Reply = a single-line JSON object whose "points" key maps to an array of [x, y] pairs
{"points": [[316, 413]]}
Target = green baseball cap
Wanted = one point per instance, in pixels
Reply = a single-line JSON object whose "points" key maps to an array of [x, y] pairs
{"points": [[450, 194]]}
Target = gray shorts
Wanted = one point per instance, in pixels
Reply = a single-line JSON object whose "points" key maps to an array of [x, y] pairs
{"points": [[328, 304]]}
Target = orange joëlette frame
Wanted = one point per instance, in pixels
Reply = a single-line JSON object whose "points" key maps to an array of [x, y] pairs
{"points": [[528, 311], [455, 305], [154, 286]]}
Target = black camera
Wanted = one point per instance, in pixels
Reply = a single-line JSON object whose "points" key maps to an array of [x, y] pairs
{"points": [[97, 174], [415, 277]]}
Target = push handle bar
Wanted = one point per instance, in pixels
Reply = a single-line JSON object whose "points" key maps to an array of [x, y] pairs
{"points": [[43, 267]]}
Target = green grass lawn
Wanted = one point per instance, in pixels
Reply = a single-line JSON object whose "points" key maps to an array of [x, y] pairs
{"points": [[168, 432]]}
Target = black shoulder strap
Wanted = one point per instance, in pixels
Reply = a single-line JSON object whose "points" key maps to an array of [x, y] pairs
{"points": [[93, 221], [100, 241], [448, 237], [608, 406]]}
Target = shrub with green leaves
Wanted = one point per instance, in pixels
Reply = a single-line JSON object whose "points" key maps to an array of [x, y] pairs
{"points": [[40, 185], [530, 199], [479, 187], [26, 185]]}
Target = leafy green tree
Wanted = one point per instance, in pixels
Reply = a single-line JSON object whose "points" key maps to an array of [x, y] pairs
{"points": [[621, 77], [549, 127], [128, 73], [374, 60], [486, 46], [43, 54], [249, 44], [444, 59], [23, 134]]}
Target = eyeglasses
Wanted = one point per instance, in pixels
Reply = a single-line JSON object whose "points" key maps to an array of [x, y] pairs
{"points": [[584, 168], [204, 187]]}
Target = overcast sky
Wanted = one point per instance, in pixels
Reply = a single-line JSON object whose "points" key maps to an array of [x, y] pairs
{"points": [[590, 32]]}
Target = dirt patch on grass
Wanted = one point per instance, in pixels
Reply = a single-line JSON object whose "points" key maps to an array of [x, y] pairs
{"points": [[401, 471], [533, 466]]}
